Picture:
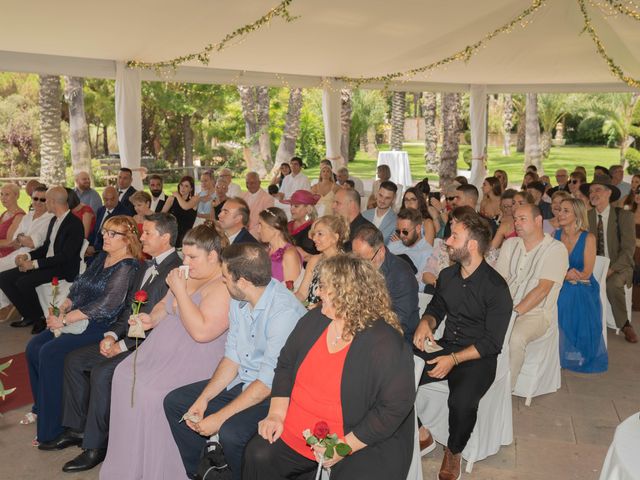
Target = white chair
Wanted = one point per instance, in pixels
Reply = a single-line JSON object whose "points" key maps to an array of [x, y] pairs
{"points": [[611, 322], [494, 425], [600, 274], [423, 301]]}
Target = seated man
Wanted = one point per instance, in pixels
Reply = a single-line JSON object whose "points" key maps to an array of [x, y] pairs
{"points": [[537, 191], [59, 256], [477, 305], [342, 177], [383, 216], [111, 208], [346, 203], [125, 190], [401, 283], [410, 241], [262, 314], [534, 266], [89, 370], [233, 219], [257, 200]]}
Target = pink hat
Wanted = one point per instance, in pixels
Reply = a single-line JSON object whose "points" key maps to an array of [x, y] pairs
{"points": [[302, 197]]}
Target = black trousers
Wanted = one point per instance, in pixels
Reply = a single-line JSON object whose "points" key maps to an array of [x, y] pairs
{"points": [[20, 288], [86, 395], [276, 461], [468, 382]]}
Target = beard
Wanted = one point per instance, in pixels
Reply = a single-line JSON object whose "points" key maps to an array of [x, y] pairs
{"points": [[459, 255]]}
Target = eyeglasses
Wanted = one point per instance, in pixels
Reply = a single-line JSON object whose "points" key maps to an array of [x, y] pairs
{"points": [[39, 199], [374, 255], [574, 181], [451, 199], [402, 232], [111, 233]]}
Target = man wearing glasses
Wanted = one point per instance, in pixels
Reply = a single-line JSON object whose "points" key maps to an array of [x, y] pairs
{"points": [[562, 177], [410, 242]]}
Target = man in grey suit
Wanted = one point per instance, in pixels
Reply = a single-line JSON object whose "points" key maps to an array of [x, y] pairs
{"points": [[383, 215], [615, 239], [89, 370]]}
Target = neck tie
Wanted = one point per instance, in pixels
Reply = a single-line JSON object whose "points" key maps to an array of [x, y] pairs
{"points": [[600, 246]]}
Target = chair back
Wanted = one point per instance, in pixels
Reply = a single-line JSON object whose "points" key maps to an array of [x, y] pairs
{"points": [[600, 269]]}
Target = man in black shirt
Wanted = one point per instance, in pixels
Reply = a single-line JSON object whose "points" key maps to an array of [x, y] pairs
{"points": [[477, 304], [346, 203]]}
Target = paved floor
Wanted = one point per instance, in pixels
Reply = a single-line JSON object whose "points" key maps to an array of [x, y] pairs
{"points": [[561, 436]]}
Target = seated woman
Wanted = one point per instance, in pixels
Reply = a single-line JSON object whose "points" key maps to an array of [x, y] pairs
{"points": [[325, 188], [189, 333], [81, 210], [303, 214], [329, 234], [10, 218], [348, 365], [413, 198], [182, 205], [503, 178], [285, 169], [286, 262], [550, 225], [97, 296], [582, 347], [491, 196], [141, 202]]}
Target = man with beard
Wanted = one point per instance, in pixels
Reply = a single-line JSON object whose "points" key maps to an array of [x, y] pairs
{"points": [[262, 314], [87, 194], [158, 197], [409, 243], [476, 302]]}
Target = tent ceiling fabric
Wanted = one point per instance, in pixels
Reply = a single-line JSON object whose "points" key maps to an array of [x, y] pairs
{"points": [[330, 38]]}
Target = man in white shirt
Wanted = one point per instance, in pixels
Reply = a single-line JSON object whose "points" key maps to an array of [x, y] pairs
{"points": [[158, 197], [534, 266], [342, 175], [410, 241], [296, 180], [257, 200], [234, 190], [617, 179], [383, 216]]}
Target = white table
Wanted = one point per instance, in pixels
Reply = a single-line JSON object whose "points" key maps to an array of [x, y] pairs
{"points": [[623, 459], [398, 162]]}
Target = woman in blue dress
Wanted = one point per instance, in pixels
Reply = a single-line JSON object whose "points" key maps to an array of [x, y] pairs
{"points": [[582, 347], [95, 300]]}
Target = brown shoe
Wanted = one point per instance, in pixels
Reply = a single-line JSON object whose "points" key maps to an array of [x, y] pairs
{"points": [[427, 446], [630, 334], [450, 469]]}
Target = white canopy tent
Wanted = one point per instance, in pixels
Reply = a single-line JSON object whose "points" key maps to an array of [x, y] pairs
{"points": [[329, 39]]}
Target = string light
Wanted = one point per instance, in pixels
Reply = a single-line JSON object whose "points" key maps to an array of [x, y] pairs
{"points": [[615, 7]]}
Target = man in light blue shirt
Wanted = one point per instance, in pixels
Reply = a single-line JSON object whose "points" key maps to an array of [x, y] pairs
{"points": [[383, 216], [411, 243], [262, 314]]}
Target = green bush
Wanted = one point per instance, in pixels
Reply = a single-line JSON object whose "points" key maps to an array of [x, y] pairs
{"points": [[590, 131], [633, 157]]}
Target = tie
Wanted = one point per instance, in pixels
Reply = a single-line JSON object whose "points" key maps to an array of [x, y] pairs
{"points": [[600, 247], [151, 265]]}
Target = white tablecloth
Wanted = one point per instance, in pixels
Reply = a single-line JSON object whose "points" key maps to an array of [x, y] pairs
{"points": [[398, 162], [623, 457]]}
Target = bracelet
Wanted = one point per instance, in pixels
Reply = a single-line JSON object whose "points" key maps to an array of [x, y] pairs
{"points": [[455, 360], [64, 320]]}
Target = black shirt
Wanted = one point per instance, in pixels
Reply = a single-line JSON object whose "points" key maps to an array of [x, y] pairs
{"points": [[353, 228], [477, 308]]}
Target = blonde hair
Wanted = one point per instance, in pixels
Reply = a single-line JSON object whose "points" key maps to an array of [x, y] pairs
{"points": [[140, 197], [130, 230], [359, 293], [337, 224], [13, 188], [580, 212], [560, 194]]}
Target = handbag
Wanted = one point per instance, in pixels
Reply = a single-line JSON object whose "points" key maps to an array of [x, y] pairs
{"points": [[213, 465]]}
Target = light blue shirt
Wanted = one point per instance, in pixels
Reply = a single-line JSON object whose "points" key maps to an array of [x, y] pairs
{"points": [[204, 208], [419, 252], [257, 335], [90, 197]]}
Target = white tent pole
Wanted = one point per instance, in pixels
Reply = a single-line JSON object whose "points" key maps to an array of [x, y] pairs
{"points": [[478, 119], [129, 119], [331, 107]]}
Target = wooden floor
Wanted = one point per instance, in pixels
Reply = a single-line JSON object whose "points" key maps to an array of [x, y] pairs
{"points": [[560, 436]]}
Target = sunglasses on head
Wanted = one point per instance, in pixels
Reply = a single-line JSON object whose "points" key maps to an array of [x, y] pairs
{"points": [[39, 199], [403, 232]]}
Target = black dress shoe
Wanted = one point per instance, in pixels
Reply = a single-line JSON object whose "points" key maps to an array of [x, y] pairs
{"points": [[67, 439], [23, 322], [86, 460], [38, 326]]}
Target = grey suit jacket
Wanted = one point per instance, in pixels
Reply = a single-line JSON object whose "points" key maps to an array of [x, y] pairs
{"points": [[388, 225], [620, 252]]}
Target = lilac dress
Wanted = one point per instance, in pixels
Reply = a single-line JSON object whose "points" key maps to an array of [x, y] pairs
{"points": [[140, 442], [277, 270]]}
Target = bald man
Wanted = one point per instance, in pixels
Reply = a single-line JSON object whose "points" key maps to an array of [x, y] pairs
{"points": [[257, 199], [59, 256], [87, 194]]}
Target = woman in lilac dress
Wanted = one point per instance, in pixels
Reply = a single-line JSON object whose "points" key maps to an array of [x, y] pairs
{"points": [[187, 343], [286, 262]]}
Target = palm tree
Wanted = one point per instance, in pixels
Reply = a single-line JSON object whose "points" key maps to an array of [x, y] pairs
{"points": [[291, 130], [451, 107], [368, 111], [397, 120], [255, 110], [507, 123], [617, 109], [552, 108], [429, 108], [345, 123], [79, 130], [52, 171], [532, 150]]}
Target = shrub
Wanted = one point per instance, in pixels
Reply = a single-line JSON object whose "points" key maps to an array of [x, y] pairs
{"points": [[590, 131], [633, 157]]}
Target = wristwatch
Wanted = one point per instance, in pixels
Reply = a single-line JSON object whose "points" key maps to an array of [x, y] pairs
{"points": [[64, 320]]}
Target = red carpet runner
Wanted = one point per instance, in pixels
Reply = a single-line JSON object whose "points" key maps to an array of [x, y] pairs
{"points": [[17, 375]]}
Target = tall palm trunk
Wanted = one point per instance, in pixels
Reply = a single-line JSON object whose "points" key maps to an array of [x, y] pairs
{"points": [[79, 131], [345, 123], [451, 108], [187, 135], [532, 150], [507, 124], [264, 140], [52, 169], [291, 130], [253, 133], [429, 106], [397, 120]]}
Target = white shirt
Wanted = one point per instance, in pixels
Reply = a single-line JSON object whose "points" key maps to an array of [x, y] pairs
{"points": [[34, 229], [232, 238], [234, 190], [292, 183], [605, 224], [155, 200], [377, 221], [54, 233]]}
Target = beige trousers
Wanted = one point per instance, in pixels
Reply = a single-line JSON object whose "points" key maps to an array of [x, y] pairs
{"points": [[526, 329], [615, 294]]}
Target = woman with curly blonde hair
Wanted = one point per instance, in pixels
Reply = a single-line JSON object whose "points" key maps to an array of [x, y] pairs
{"points": [[348, 365]]}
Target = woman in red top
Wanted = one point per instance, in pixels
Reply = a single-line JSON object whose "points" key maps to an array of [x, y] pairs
{"points": [[10, 218], [81, 210], [348, 365]]}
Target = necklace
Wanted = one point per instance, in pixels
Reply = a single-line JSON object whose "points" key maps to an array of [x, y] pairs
{"points": [[337, 338]]}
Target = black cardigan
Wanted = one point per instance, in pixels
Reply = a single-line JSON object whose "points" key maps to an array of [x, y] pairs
{"points": [[377, 392]]}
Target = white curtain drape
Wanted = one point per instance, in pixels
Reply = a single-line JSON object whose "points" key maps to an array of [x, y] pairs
{"points": [[129, 119], [331, 107], [478, 119]]}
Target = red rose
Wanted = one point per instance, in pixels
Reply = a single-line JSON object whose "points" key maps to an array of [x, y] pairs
{"points": [[321, 430], [54, 281], [141, 296]]}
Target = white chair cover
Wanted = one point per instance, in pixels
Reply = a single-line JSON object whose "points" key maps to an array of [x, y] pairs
{"points": [[494, 426], [611, 322], [600, 274], [622, 461]]}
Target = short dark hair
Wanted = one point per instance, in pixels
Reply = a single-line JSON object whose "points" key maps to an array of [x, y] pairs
{"points": [[423, 186], [533, 168], [155, 176], [273, 189], [462, 180], [469, 191], [388, 185], [73, 200], [533, 208], [165, 223], [508, 194], [477, 226], [126, 170], [297, 159], [353, 195], [604, 169], [249, 261], [351, 183], [40, 188], [243, 208], [411, 214], [369, 234], [537, 185]]}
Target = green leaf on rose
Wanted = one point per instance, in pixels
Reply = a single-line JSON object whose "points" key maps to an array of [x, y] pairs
{"points": [[343, 449], [328, 453], [312, 440]]}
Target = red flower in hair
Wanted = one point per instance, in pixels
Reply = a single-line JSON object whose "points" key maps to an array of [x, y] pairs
{"points": [[321, 430], [54, 281], [141, 296]]}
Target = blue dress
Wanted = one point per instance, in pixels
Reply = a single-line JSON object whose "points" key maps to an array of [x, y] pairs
{"points": [[582, 347]]}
